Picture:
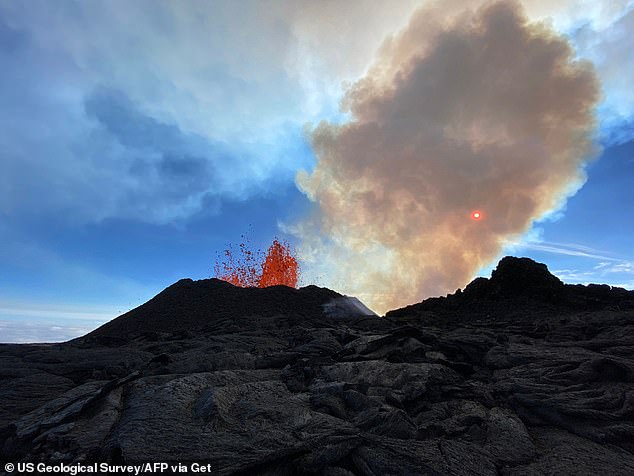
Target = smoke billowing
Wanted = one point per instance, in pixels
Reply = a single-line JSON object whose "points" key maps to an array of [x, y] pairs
{"points": [[471, 107]]}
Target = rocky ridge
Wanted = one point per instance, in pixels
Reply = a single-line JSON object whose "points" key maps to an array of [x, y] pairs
{"points": [[516, 374]]}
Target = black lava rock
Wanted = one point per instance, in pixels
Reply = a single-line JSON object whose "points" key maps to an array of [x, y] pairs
{"points": [[516, 374]]}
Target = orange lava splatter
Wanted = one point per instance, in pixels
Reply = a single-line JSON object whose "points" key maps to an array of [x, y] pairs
{"points": [[279, 267], [250, 268]]}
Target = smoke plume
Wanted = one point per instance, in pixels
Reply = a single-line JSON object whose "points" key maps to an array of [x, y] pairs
{"points": [[471, 107]]}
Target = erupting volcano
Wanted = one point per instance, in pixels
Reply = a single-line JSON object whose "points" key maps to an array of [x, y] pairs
{"points": [[252, 269]]}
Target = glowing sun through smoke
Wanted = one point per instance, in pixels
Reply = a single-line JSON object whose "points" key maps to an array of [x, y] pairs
{"points": [[471, 103]]}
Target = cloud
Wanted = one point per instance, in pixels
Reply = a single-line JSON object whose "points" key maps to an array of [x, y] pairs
{"points": [[597, 266], [568, 14], [331, 46], [567, 249], [609, 48], [614, 274], [52, 311], [231, 83], [600, 31], [20, 332], [101, 100], [147, 112], [159, 172], [470, 107]]}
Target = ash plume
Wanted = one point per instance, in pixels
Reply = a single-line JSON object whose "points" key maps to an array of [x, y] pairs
{"points": [[470, 107]]}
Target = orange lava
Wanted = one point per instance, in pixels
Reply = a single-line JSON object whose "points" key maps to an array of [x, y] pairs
{"points": [[279, 267], [250, 268]]}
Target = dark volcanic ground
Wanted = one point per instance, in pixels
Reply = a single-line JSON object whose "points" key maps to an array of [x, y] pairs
{"points": [[518, 374]]}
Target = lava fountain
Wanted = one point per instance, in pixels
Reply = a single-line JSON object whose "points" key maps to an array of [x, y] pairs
{"points": [[249, 268]]}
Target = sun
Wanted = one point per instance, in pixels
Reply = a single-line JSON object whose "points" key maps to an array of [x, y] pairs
{"points": [[476, 215]]}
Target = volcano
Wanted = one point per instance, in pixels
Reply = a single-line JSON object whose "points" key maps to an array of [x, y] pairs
{"points": [[515, 374], [198, 306]]}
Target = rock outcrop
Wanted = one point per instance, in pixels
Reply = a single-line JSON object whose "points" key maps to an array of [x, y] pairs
{"points": [[516, 374]]}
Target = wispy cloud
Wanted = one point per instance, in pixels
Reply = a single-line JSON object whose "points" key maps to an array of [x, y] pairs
{"points": [[568, 249], [576, 276], [57, 312], [573, 275], [622, 267], [597, 266], [156, 110]]}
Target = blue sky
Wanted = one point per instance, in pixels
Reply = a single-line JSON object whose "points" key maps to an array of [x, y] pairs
{"points": [[138, 139]]}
